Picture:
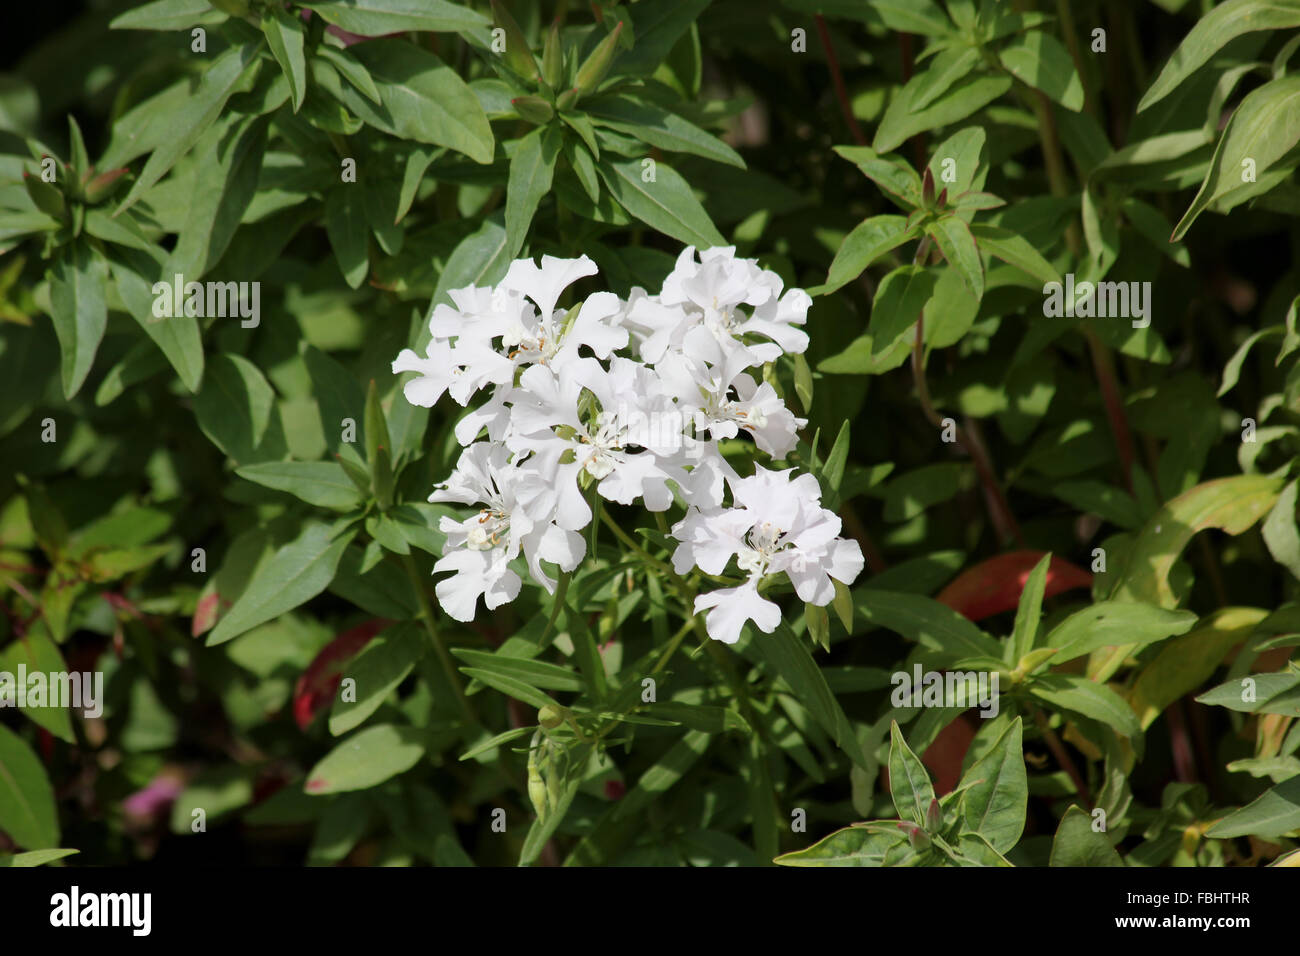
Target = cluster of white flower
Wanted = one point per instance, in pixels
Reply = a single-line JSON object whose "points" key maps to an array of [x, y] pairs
{"points": [[567, 411]]}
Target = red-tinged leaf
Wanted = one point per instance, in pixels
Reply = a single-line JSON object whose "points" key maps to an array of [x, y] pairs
{"points": [[994, 586], [315, 688], [943, 757], [205, 614]]}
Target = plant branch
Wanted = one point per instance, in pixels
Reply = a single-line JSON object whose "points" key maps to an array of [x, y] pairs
{"points": [[426, 614], [968, 437], [837, 78], [1062, 756]]}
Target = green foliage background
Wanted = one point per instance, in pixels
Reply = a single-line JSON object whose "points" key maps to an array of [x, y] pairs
{"points": [[1156, 464]]}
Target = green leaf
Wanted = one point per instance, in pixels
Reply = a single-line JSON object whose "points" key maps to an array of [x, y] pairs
{"points": [[1274, 813], [531, 170], [1232, 505], [536, 673], [235, 409], [79, 310], [901, 122], [925, 620], [995, 791], [366, 759], [1089, 698], [295, 574], [354, 73], [167, 15], [284, 35], [217, 791], [320, 483], [1269, 694], [1188, 661], [1112, 623], [40, 655], [1156, 229], [1028, 611], [869, 240], [852, 846], [492, 743], [1280, 532], [889, 173], [1014, 250], [229, 161], [35, 857], [1040, 60], [666, 203], [377, 671], [27, 810], [231, 72], [1076, 844], [833, 469], [958, 247], [912, 16], [818, 624], [658, 24], [909, 782], [901, 296], [421, 99], [510, 686], [1232, 370], [1263, 128], [787, 657], [704, 717], [944, 70], [659, 127], [346, 227], [371, 18], [1215, 30]]}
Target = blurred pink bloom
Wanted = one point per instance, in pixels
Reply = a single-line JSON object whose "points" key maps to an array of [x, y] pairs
{"points": [[154, 798]]}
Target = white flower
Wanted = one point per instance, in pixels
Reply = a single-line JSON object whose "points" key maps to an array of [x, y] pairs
{"points": [[702, 379], [775, 525], [710, 293], [565, 411], [581, 417], [464, 355], [548, 337], [516, 516]]}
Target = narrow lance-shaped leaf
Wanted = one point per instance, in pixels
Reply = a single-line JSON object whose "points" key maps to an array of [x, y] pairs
{"points": [[1027, 614], [531, 170], [296, 573], [231, 72], [1261, 131], [658, 196], [909, 782], [79, 310], [1212, 32], [284, 35]]}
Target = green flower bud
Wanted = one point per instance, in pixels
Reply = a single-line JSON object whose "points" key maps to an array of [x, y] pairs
{"points": [[518, 56], [534, 109], [550, 717], [104, 185], [553, 57], [933, 816], [597, 65], [566, 100]]}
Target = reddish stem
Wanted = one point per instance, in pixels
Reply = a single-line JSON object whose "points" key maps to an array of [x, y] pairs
{"points": [[841, 91]]}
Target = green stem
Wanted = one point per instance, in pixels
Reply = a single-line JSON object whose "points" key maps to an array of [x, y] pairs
{"points": [[426, 614], [627, 539], [673, 644]]}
